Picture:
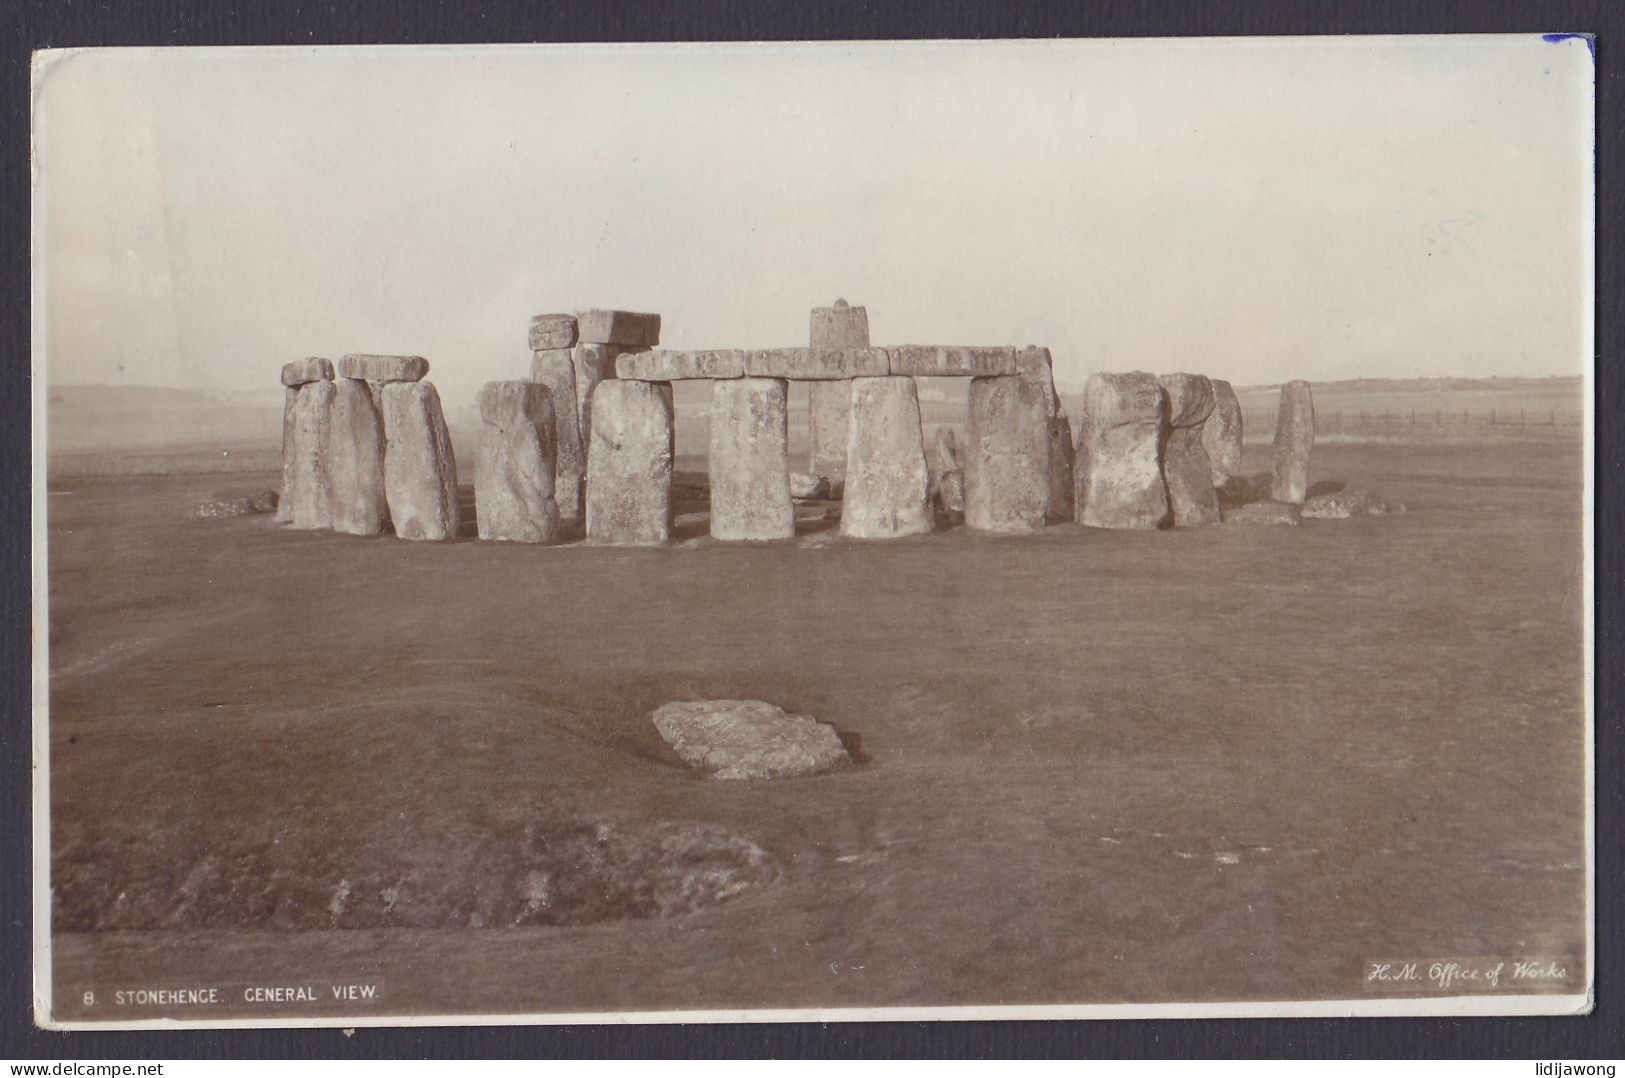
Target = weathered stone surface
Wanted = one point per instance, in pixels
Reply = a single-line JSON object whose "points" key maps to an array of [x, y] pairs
{"points": [[629, 465], [304, 371], [750, 460], [284, 505], [1007, 447], [1121, 484], [555, 368], [1348, 503], [950, 361], [548, 331], [420, 469], [949, 490], [238, 505], [1264, 512], [1221, 434], [804, 486], [355, 462], [594, 363], [1294, 438], [663, 365], [1080, 464], [1192, 499], [513, 474], [749, 739], [816, 364], [1062, 464], [369, 368], [308, 485], [840, 326], [946, 449], [829, 414], [618, 327], [887, 480]]}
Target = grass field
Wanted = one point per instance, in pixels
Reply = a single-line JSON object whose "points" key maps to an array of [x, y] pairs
{"points": [[1223, 764]]}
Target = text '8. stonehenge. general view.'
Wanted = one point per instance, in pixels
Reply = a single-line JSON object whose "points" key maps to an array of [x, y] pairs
{"points": [[585, 446]]}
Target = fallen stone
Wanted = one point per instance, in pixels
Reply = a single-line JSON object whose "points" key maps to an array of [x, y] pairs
{"points": [[222, 506], [1348, 503], [1120, 482], [749, 739], [1265, 512], [1192, 499], [384, 368], [805, 486], [555, 368], [1241, 489], [1221, 434], [816, 364], [1294, 438], [750, 460], [629, 465], [355, 462], [307, 490], [513, 474], [420, 469], [887, 481], [947, 361], [618, 327], [304, 371], [284, 505], [662, 365], [840, 326], [1007, 447], [829, 414], [548, 331]]}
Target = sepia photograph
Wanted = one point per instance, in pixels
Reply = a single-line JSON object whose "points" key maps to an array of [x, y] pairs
{"points": [[832, 531]]}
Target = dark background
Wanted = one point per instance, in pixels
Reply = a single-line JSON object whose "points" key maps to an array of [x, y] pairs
{"points": [[66, 23]]}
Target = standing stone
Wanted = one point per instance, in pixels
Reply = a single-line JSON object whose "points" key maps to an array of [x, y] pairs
{"points": [[594, 363], [948, 476], [308, 486], [629, 464], [750, 460], [513, 474], [284, 504], [1221, 434], [1007, 473], [1193, 501], [1062, 464], [829, 404], [1294, 437], [420, 470], [886, 476], [355, 462], [555, 369], [1122, 484]]}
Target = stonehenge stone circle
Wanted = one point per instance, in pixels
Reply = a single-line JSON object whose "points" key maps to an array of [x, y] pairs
{"points": [[750, 460], [1193, 501], [355, 462], [284, 505], [384, 368], [555, 369], [629, 464], [513, 474], [886, 478], [549, 331], [628, 328], [1007, 455], [420, 470], [307, 486], [1294, 438], [1121, 485], [816, 364], [1221, 434], [304, 371], [829, 403], [939, 361], [663, 365]]}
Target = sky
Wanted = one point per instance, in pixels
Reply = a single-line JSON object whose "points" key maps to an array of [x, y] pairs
{"points": [[1252, 209]]}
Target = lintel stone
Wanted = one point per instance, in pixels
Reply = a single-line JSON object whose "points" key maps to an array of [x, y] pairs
{"points": [[618, 327], [369, 368]]}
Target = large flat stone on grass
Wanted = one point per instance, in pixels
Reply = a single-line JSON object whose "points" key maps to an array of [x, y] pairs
{"points": [[749, 739], [420, 470], [369, 368], [1348, 503], [629, 465], [750, 460]]}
